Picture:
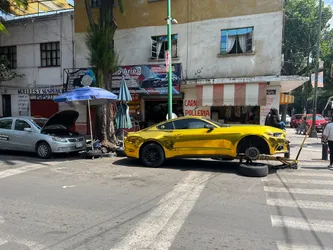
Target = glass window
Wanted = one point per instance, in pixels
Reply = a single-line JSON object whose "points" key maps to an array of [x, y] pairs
{"points": [[190, 124], [159, 44], [21, 125], [166, 126], [6, 124], [236, 41], [50, 54], [10, 55]]}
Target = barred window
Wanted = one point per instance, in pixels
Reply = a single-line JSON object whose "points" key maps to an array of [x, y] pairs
{"points": [[11, 55], [50, 54], [159, 44]]}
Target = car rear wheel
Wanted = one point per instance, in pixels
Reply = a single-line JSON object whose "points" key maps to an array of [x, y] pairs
{"points": [[152, 155], [43, 150], [253, 169]]}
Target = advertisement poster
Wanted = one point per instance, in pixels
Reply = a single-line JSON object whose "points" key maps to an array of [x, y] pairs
{"points": [[79, 78], [272, 101], [147, 79]]}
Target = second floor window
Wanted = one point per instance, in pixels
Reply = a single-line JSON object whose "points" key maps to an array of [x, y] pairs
{"points": [[95, 3], [159, 44], [9, 52], [50, 54], [237, 41]]}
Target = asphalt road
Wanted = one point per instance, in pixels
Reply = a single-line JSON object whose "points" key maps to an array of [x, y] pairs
{"points": [[188, 204]]}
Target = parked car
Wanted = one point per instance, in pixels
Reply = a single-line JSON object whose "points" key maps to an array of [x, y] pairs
{"points": [[187, 137], [288, 120], [296, 120], [40, 135], [321, 122]]}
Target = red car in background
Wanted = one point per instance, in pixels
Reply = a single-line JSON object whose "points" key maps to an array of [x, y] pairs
{"points": [[321, 122], [296, 120]]}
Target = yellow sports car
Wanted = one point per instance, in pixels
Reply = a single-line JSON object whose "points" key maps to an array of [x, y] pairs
{"points": [[196, 137]]}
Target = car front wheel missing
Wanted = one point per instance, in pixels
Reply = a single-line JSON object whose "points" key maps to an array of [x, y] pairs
{"points": [[152, 155], [253, 169]]}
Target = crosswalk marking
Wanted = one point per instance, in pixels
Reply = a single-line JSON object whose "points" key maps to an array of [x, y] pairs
{"points": [[306, 173], [301, 204], [289, 246], [327, 192], [302, 224], [297, 181], [10, 172]]}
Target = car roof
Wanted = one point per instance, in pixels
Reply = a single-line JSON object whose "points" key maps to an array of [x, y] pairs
{"points": [[21, 117]]}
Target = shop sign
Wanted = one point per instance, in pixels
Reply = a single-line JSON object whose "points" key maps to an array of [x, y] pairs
{"points": [[43, 97], [191, 108], [272, 101], [147, 79], [40, 91], [23, 103], [79, 78]]}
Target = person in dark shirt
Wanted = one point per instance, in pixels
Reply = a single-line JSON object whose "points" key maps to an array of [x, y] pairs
{"points": [[273, 119]]}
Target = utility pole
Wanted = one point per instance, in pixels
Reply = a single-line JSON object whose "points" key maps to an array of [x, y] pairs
{"points": [[169, 23], [313, 132]]}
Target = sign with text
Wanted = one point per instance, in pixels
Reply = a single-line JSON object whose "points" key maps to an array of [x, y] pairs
{"points": [[147, 79], [320, 79], [191, 107]]}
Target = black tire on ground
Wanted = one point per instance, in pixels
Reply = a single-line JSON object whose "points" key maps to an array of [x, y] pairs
{"points": [[152, 155], [253, 170], [43, 150]]}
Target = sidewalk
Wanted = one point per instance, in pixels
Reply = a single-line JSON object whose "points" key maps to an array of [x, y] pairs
{"points": [[311, 153]]}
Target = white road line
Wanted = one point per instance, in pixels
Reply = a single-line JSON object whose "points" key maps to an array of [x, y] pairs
{"points": [[302, 224], [300, 204], [289, 246], [158, 229], [328, 192], [297, 181], [3, 241], [10, 172], [327, 174]]}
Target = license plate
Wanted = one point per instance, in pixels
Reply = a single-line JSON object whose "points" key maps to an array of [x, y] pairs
{"points": [[79, 145]]}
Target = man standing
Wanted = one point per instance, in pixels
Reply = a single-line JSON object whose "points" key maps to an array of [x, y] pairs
{"points": [[328, 136]]}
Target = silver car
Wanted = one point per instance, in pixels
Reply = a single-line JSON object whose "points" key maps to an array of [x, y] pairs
{"points": [[43, 136]]}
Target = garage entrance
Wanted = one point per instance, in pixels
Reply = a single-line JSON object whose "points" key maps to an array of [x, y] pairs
{"points": [[43, 108]]}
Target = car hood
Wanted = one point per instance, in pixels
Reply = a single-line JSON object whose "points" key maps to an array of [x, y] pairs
{"points": [[66, 118]]}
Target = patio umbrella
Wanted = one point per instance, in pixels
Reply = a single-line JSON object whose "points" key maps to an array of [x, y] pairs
{"points": [[123, 119], [89, 95]]}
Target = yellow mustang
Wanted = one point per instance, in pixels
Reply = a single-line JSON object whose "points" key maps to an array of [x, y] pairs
{"points": [[188, 137]]}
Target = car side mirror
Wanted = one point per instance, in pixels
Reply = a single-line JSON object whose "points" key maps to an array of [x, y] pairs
{"points": [[209, 127], [27, 129]]}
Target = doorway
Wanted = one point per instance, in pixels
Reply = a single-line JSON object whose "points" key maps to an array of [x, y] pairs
{"points": [[6, 105]]}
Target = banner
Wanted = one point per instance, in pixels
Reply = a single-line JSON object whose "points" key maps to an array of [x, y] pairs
{"points": [[320, 79], [79, 78], [147, 79]]}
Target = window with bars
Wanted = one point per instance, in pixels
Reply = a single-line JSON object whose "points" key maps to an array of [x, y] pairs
{"points": [[50, 54], [10, 53], [95, 3], [159, 44], [237, 41]]}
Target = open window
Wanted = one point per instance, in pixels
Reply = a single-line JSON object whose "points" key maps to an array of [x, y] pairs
{"points": [[159, 44], [237, 41]]}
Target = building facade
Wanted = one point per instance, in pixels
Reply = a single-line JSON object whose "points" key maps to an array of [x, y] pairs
{"points": [[226, 56], [38, 48]]}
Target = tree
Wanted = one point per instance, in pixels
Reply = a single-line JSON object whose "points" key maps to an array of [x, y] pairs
{"points": [[6, 74], [5, 9], [102, 56], [300, 36]]}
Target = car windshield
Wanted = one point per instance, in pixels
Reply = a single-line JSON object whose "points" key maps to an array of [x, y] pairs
{"points": [[318, 117], [39, 122]]}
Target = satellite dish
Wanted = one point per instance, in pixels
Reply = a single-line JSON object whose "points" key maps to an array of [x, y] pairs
{"points": [[86, 80]]}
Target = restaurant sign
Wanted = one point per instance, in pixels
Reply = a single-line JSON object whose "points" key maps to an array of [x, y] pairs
{"points": [[147, 79]]}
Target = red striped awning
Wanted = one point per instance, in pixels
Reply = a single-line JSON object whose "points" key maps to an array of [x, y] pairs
{"points": [[242, 94]]}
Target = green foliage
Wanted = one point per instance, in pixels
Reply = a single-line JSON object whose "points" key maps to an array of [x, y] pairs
{"points": [[6, 74], [100, 46], [5, 9]]}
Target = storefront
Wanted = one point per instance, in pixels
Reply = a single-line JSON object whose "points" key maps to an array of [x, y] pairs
{"points": [[226, 103], [148, 85]]}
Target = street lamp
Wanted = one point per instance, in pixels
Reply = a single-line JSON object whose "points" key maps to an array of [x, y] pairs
{"points": [[313, 132], [170, 21]]}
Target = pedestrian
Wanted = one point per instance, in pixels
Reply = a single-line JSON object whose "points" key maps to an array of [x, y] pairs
{"points": [[273, 119], [328, 137]]}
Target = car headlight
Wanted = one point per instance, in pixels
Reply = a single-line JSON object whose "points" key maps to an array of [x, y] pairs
{"points": [[57, 139], [274, 134]]}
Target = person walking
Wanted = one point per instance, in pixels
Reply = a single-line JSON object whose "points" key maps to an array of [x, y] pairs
{"points": [[328, 137]]}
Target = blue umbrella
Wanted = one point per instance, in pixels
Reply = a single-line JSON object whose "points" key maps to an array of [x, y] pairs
{"points": [[91, 95], [123, 119]]}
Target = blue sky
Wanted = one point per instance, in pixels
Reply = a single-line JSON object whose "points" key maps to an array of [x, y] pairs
{"points": [[330, 2]]}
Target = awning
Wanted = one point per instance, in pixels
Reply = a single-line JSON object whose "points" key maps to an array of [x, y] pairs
{"points": [[242, 94], [286, 99]]}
